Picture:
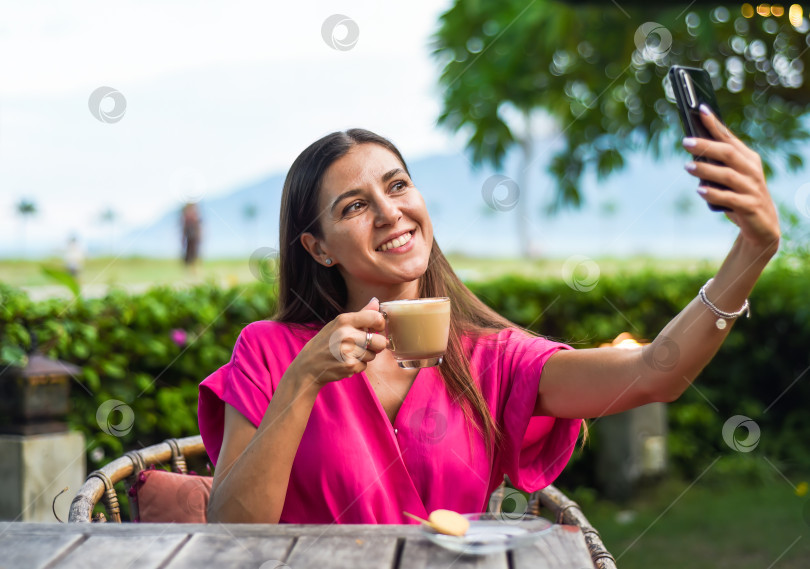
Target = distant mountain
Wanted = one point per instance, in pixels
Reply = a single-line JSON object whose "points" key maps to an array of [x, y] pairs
{"points": [[650, 208]]}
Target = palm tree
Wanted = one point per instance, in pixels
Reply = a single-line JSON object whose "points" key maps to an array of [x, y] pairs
{"points": [[109, 217], [250, 212], [683, 207], [26, 209], [608, 208]]}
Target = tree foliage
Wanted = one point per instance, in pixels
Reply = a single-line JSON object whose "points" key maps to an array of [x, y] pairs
{"points": [[26, 208], [599, 70]]}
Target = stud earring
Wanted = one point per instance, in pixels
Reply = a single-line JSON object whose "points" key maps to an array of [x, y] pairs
{"points": [[328, 261]]}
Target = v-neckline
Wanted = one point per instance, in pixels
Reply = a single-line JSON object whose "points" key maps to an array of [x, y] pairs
{"points": [[392, 425]]}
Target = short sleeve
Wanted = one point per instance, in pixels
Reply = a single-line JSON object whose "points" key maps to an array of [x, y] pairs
{"points": [[245, 383], [535, 448]]}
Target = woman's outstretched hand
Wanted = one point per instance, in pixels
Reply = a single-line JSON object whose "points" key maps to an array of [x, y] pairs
{"points": [[597, 382], [752, 208], [338, 350]]}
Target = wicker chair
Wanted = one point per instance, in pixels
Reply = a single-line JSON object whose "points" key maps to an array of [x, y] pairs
{"points": [[100, 486]]}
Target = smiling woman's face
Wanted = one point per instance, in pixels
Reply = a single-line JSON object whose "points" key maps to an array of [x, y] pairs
{"points": [[366, 199]]}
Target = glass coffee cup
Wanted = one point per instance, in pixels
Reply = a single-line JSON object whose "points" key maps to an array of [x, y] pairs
{"points": [[417, 330]]}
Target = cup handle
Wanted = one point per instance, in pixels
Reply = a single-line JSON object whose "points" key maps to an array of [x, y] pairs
{"points": [[387, 336]]}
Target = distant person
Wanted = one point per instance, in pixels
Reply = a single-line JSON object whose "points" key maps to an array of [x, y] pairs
{"points": [[74, 256], [192, 229]]}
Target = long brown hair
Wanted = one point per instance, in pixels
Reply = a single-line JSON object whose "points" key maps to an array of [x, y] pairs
{"points": [[311, 293]]}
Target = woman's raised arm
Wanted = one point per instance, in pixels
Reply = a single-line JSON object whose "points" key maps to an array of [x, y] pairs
{"points": [[596, 382]]}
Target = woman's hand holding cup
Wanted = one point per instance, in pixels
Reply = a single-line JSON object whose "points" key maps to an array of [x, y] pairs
{"points": [[341, 349]]}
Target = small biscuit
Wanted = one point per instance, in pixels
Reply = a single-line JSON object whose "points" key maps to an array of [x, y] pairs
{"points": [[449, 522]]}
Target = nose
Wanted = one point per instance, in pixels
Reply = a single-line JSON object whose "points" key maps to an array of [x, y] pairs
{"points": [[388, 212]]}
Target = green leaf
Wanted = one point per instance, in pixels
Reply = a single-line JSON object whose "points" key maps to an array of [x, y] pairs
{"points": [[62, 277], [608, 161], [795, 162], [112, 370], [91, 378], [81, 350], [13, 356]]}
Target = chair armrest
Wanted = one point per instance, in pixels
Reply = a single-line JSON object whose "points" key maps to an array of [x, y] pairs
{"points": [[100, 483], [566, 511]]}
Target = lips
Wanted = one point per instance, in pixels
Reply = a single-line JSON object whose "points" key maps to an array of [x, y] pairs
{"points": [[398, 241]]}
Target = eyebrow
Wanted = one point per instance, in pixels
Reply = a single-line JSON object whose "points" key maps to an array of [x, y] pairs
{"points": [[347, 194]]}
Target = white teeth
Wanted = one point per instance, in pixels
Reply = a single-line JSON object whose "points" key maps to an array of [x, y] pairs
{"points": [[394, 243]]}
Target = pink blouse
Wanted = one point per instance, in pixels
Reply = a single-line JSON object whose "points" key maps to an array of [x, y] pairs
{"points": [[354, 466]]}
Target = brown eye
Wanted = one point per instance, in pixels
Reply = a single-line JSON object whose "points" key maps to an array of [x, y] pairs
{"points": [[350, 206]]}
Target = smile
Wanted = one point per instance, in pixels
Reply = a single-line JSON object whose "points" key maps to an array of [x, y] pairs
{"points": [[397, 243]]}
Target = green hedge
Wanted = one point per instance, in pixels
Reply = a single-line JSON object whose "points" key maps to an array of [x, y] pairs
{"points": [[131, 349]]}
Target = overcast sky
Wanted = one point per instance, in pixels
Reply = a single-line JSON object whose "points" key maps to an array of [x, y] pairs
{"points": [[216, 94]]}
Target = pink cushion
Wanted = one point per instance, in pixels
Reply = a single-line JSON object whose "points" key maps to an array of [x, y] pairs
{"points": [[168, 497]]}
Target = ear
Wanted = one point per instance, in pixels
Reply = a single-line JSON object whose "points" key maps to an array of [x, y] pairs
{"points": [[313, 246]]}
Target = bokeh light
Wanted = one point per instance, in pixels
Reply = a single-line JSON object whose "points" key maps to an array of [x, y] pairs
{"points": [[747, 11], [795, 15]]}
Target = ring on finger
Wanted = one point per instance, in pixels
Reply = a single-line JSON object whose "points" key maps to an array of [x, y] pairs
{"points": [[368, 340]]}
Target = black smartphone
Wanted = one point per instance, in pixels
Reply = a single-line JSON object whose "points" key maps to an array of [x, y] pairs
{"points": [[693, 87]]}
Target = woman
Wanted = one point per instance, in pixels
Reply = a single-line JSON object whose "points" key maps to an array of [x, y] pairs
{"points": [[300, 435]]}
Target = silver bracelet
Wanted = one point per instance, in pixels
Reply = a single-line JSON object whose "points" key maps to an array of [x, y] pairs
{"points": [[721, 315]]}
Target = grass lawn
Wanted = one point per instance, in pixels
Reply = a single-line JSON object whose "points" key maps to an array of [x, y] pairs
{"points": [[135, 270], [717, 524], [122, 271]]}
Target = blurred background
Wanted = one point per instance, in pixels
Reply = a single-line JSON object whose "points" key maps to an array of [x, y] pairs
{"points": [[143, 148]]}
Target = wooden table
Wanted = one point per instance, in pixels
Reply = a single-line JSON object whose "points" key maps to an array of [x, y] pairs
{"points": [[175, 546]]}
